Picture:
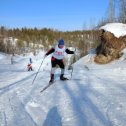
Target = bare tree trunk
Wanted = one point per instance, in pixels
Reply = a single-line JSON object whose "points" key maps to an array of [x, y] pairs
{"points": [[111, 11], [122, 11]]}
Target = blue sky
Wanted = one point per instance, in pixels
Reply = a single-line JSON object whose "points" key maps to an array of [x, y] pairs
{"points": [[58, 14]]}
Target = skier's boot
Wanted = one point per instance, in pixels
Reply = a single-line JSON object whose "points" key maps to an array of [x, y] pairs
{"points": [[63, 78], [52, 79]]}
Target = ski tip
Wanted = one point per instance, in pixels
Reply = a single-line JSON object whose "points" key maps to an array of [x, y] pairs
{"points": [[41, 91]]}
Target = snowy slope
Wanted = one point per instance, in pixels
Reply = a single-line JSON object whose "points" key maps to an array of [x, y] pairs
{"points": [[94, 97], [118, 29]]}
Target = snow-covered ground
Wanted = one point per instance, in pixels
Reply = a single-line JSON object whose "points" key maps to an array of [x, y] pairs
{"points": [[95, 96]]}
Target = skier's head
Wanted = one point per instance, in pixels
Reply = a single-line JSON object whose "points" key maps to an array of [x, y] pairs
{"points": [[61, 43]]}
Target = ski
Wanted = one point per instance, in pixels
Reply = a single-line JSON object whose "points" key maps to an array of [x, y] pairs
{"points": [[46, 87], [76, 79], [50, 85]]}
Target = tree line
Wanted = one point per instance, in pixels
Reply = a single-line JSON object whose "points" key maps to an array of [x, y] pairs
{"points": [[32, 39]]}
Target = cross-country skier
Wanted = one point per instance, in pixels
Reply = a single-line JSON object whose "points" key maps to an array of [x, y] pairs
{"points": [[29, 67], [57, 58]]}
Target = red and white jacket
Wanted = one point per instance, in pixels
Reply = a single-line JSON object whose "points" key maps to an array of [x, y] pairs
{"points": [[58, 53]]}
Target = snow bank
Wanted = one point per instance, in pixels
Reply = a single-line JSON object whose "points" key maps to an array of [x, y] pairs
{"points": [[3, 55], [118, 29]]}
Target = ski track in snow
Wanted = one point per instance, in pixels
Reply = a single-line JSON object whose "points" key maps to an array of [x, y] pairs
{"points": [[95, 96]]}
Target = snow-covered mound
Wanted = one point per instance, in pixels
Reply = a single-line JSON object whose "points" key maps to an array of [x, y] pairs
{"points": [[118, 29]]}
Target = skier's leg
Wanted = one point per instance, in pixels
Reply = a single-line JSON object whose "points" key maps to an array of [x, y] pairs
{"points": [[53, 63], [31, 68], [28, 69], [62, 66]]}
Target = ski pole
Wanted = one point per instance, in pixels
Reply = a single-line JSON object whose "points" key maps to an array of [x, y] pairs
{"points": [[38, 70], [72, 66], [71, 71]]}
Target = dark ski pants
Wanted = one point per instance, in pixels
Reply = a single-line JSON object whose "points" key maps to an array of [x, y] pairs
{"points": [[55, 62], [30, 69]]}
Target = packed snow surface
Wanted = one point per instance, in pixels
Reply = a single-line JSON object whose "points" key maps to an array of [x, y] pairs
{"points": [[94, 96]]}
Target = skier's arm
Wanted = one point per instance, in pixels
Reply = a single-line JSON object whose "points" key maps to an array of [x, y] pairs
{"points": [[50, 51], [69, 52]]}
